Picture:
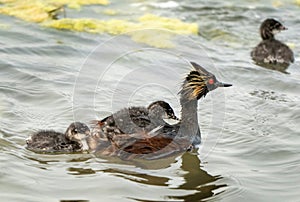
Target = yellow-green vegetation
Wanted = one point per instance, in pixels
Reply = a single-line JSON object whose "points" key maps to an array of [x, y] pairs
{"points": [[160, 39], [28, 10], [116, 26], [91, 25], [40, 11]]}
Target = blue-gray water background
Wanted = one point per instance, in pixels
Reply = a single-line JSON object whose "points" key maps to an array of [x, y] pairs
{"points": [[251, 132]]}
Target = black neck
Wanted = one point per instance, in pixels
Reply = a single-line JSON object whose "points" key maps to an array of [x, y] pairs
{"points": [[189, 118]]}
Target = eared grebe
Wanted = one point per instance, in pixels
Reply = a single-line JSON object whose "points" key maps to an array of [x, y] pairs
{"points": [[48, 141], [166, 139], [271, 51]]}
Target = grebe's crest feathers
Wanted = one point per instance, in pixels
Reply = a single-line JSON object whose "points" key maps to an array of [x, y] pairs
{"points": [[194, 85], [199, 68], [199, 82]]}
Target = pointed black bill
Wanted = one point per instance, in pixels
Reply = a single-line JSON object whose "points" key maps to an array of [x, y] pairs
{"points": [[220, 84]]}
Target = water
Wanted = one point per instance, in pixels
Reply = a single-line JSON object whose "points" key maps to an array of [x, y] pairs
{"points": [[250, 149]]}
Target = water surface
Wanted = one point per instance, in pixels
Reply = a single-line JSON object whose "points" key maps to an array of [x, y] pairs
{"points": [[250, 149]]}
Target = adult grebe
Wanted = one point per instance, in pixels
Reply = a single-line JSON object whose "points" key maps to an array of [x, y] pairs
{"points": [[163, 140]]}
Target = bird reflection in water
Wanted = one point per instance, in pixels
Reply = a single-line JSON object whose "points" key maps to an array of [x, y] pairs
{"points": [[197, 180]]}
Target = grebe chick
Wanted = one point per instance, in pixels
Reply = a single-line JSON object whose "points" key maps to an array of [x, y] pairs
{"points": [[165, 140], [49, 141], [131, 120], [161, 113], [271, 51], [134, 119]]}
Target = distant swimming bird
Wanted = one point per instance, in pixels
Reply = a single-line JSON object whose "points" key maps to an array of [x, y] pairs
{"points": [[166, 139], [271, 51], [49, 141]]}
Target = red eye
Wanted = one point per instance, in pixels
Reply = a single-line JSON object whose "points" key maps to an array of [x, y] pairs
{"points": [[211, 81]]}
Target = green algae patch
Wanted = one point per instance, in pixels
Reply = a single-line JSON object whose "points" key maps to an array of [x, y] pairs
{"points": [[44, 12], [28, 10], [158, 31], [39, 10], [116, 26], [92, 25]]}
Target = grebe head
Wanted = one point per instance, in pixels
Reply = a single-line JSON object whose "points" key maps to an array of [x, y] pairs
{"points": [[199, 82], [270, 27], [77, 132], [163, 109]]}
